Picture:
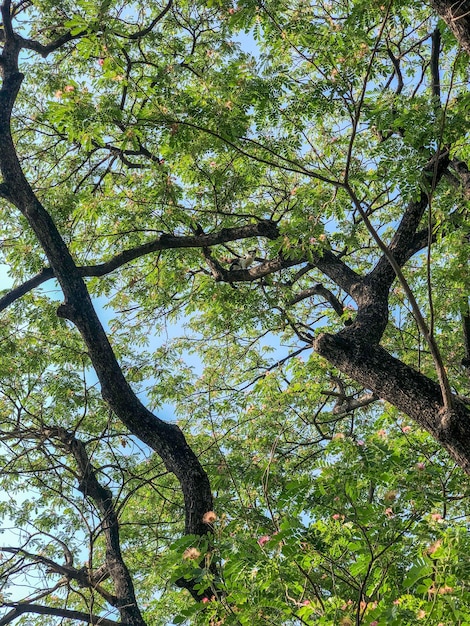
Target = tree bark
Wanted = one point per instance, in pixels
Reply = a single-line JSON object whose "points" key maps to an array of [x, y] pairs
{"points": [[416, 395], [456, 14]]}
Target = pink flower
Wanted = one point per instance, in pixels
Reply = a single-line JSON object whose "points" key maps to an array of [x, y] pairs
{"points": [[101, 62], [206, 599], [374, 623], [406, 429], [382, 433], [305, 602], [209, 517], [264, 539], [58, 94], [389, 512], [191, 554], [336, 516], [360, 442], [420, 466], [436, 517], [434, 547], [69, 88]]}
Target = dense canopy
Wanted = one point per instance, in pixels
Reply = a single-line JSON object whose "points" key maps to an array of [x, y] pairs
{"points": [[235, 333]]}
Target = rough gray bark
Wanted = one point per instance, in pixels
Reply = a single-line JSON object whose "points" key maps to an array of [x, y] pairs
{"points": [[456, 14], [410, 391]]}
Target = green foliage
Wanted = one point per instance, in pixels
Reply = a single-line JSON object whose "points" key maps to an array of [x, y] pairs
{"points": [[221, 116]]}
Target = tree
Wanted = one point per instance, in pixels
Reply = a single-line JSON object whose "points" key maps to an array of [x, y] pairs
{"points": [[142, 149]]}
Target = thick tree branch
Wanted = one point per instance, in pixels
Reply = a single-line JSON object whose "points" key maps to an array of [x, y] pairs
{"points": [[377, 295], [456, 14], [373, 310], [45, 49], [325, 260], [337, 270], [401, 241], [465, 313], [9, 35], [347, 404], [435, 78], [26, 287], [264, 228], [463, 173], [68, 571], [24, 607], [217, 271], [398, 72], [403, 244], [124, 596], [408, 390]]}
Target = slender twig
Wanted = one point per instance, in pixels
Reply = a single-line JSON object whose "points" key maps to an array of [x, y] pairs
{"points": [[363, 94], [145, 31]]}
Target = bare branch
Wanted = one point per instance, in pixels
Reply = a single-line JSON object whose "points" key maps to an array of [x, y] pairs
{"points": [[435, 78], [45, 49], [145, 31], [81, 575], [27, 286], [319, 290]]}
